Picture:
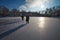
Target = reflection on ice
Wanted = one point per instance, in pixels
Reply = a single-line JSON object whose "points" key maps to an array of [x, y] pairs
{"points": [[41, 22]]}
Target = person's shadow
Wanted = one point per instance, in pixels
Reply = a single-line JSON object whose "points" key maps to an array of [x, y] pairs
{"points": [[2, 35]]}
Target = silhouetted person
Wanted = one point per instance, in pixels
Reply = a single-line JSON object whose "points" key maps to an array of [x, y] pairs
{"points": [[27, 19], [22, 18]]}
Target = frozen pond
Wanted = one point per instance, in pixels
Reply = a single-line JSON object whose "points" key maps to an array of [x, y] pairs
{"points": [[39, 28]]}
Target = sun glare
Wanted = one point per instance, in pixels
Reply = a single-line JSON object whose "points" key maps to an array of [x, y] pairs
{"points": [[43, 7], [41, 22]]}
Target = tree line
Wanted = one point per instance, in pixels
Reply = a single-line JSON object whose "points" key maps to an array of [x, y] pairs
{"points": [[51, 12]]}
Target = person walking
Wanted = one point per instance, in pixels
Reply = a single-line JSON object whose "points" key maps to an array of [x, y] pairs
{"points": [[27, 19], [22, 18]]}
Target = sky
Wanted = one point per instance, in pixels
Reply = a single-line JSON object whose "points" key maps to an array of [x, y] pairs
{"points": [[30, 5]]}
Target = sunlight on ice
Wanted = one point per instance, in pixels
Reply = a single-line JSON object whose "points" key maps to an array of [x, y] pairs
{"points": [[41, 22]]}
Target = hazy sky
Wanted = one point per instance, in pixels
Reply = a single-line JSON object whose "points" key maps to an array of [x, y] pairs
{"points": [[29, 5]]}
